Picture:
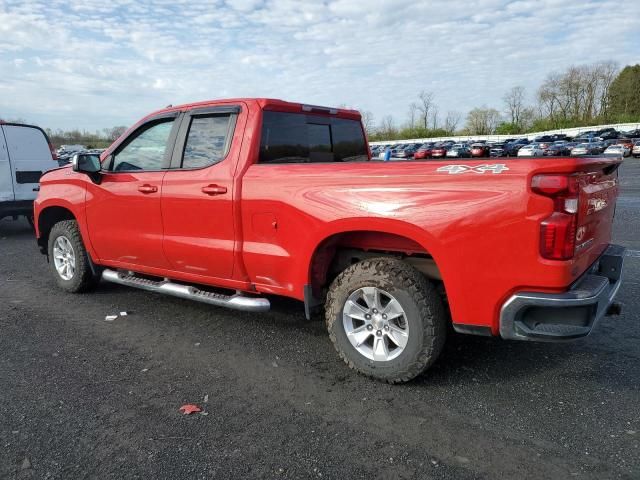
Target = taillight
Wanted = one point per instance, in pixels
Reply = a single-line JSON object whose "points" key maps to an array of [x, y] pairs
{"points": [[558, 231], [54, 155]]}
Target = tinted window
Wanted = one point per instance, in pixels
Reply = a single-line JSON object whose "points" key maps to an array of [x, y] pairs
{"points": [[207, 141], [301, 138], [146, 150]]}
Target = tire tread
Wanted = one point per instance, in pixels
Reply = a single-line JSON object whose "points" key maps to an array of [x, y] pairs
{"points": [[422, 292]]}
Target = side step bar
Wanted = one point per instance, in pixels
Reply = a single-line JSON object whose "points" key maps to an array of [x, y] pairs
{"points": [[236, 302]]}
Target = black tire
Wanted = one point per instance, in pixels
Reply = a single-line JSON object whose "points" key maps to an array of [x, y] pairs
{"points": [[83, 278], [424, 313]]}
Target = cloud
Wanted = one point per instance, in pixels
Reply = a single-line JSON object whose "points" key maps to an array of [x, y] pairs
{"points": [[93, 64]]}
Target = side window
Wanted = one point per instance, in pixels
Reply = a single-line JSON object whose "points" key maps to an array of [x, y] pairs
{"points": [[146, 151], [208, 140], [308, 138]]}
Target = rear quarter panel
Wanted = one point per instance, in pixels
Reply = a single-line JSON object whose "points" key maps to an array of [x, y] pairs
{"points": [[482, 229]]}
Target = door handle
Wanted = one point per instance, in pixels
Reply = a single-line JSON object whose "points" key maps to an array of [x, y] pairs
{"points": [[214, 190], [146, 188]]}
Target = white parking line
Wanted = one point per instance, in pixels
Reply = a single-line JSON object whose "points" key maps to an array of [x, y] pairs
{"points": [[632, 253]]}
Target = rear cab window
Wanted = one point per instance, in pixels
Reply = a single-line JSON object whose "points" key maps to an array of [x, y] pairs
{"points": [[309, 138]]}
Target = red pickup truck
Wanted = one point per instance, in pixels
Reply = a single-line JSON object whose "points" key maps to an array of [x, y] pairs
{"points": [[228, 202]]}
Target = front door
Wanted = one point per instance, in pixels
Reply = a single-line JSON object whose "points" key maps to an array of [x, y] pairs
{"points": [[123, 212], [197, 193]]}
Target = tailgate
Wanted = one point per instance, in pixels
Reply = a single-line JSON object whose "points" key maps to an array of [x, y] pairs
{"points": [[598, 192]]}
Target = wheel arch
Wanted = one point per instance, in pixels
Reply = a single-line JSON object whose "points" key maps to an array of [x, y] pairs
{"points": [[47, 218], [372, 237]]}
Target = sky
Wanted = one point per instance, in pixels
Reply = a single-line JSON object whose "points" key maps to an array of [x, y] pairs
{"points": [[95, 64]]}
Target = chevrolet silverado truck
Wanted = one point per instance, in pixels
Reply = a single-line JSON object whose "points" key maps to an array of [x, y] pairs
{"points": [[231, 202]]}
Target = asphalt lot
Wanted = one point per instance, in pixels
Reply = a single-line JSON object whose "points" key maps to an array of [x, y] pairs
{"points": [[85, 398]]}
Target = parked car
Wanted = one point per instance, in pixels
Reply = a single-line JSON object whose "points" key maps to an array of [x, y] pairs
{"points": [[593, 148], [632, 133], [25, 154], [439, 151], [531, 150], [636, 149], [557, 150], [459, 150], [424, 151], [618, 150], [513, 147], [627, 143], [480, 150], [181, 206], [404, 152], [498, 150], [607, 133]]}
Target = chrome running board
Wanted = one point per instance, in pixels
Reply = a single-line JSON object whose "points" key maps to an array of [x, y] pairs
{"points": [[235, 302]]}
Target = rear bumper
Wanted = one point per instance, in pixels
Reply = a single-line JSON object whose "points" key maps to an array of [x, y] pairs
{"points": [[568, 315]]}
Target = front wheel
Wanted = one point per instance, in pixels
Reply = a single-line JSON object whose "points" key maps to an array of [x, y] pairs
{"points": [[69, 259], [385, 319]]}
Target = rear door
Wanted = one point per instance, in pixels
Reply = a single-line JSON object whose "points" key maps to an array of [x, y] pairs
{"points": [[6, 183], [29, 156], [197, 192]]}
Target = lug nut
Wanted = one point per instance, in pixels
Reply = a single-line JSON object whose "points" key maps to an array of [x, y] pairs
{"points": [[369, 327], [384, 316], [379, 333], [367, 316], [386, 327]]}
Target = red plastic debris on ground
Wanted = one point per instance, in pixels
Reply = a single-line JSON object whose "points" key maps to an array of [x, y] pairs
{"points": [[189, 409]]}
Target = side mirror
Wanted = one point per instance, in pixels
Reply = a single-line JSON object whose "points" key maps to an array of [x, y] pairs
{"points": [[89, 164]]}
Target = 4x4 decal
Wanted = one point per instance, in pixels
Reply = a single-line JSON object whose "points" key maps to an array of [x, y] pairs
{"points": [[455, 169]]}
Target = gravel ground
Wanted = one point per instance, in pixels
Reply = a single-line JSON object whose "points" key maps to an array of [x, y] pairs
{"points": [[85, 398]]}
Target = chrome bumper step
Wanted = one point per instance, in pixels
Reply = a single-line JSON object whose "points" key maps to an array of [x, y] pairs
{"points": [[235, 302]]}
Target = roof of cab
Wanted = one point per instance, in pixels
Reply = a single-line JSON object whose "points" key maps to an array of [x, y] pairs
{"points": [[265, 104]]}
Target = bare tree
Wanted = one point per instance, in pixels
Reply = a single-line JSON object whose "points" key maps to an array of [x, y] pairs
{"points": [[514, 103], [387, 127], [608, 73], [114, 133], [578, 94], [482, 121], [413, 112], [451, 121], [367, 121], [424, 107], [434, 117]]}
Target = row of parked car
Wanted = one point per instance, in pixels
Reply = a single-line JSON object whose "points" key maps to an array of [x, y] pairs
{"points": [[66, 152], [606, 141]]}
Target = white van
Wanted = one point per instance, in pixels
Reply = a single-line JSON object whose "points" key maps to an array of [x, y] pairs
{"points": [[25, 154]]}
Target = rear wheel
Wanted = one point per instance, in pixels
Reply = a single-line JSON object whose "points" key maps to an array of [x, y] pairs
{"points": [[69, 259], [385, 319]]}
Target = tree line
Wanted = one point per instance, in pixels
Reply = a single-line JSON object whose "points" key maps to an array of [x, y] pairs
{"points": [[98, 139], [582, 95]]}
